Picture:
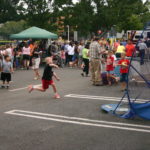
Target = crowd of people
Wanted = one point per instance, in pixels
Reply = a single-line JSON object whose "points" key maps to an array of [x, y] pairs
{"points": [[106, 60]]}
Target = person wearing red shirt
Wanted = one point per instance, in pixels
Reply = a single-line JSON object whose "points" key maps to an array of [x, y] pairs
{"points": [[130, 48], [124, 68], [110, 67]]}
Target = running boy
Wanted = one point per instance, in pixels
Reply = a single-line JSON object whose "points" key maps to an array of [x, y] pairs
{"points": [[7, 69], [47, 78], [124, 63]]}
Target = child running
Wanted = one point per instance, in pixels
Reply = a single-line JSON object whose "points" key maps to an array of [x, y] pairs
{"points": [[124, 63], [7, 69], [47, 78]]}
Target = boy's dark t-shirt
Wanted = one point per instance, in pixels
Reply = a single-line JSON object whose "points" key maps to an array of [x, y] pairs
{"points": [[36, 50], [48, 73]]}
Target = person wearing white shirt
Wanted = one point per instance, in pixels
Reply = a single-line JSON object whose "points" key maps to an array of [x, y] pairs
{"points": [[26, 55], [70, 50]]}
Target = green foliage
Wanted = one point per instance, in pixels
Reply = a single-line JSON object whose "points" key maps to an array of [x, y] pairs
{"points": [[8, 10], [61, 3], [86, 16], [83, 17], [12, 27], [133, 22], [38, 12], [123, 14]]}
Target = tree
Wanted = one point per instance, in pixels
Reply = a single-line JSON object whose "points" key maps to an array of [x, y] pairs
{"points": [[82, 17], [78, 16], [86, 16], [93, 15], [145, 17], [127, 14], [101, 17], [38, 12], [133, 23], [12, 27], [8, 10], [61, 8]]}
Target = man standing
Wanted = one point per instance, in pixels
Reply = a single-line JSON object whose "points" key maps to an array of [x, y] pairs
{"points": [[95, 53], [142, 49]]}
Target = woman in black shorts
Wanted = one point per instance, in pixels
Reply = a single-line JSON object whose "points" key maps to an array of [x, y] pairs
{"points": [[26, 56]]}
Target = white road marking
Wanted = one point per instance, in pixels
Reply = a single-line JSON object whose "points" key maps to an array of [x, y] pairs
{"points": [[90, 96], [117, 99], [23, 88], [101, 98], [81, 121]]}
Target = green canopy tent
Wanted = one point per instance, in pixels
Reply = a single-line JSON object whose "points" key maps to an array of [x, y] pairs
{"points": [[34, 33]]}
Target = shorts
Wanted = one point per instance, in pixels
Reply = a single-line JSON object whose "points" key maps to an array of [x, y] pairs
{"points": [[124, 77], [46, 83], [6, 77], [35, 63], [26, 57], [70, 58], [110, 72]]}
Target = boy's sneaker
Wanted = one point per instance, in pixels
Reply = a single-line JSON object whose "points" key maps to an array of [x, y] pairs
{"points": [[57, 96], [35, 78], [30, 88], [87, 75], [7, 86]]}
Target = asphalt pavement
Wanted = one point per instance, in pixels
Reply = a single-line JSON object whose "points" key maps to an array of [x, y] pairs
{"points": [[37, 121]]}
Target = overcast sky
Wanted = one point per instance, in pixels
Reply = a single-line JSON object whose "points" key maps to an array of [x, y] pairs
{"points": [[75, 1], [78, 0]]}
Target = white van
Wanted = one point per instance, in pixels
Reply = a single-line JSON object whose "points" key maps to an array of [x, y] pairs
{"points": [[138, 34]]}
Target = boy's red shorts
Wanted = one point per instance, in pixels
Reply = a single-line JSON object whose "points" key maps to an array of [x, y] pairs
{"points": [[46, 83]]}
